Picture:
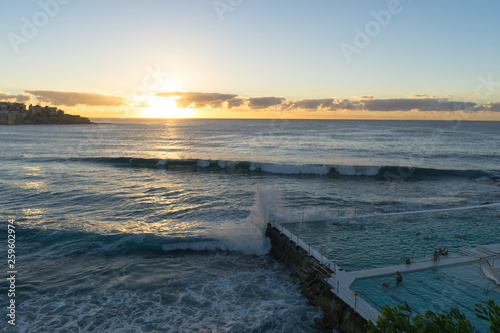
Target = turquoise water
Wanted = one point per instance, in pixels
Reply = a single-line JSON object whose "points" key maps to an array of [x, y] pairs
{"points": [[459, 286], [376, 241]]}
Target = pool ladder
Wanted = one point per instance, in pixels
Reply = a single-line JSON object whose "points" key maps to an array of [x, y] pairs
{"points": [[486, 289]]}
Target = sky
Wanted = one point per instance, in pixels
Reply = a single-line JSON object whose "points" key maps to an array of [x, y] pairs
{"points": [[386, 59]]}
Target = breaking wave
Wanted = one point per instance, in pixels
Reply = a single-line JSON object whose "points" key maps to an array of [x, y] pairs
{"points": [[250, 167]]}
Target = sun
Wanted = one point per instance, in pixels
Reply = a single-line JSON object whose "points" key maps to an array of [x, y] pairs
{"points": [[165, 107]]}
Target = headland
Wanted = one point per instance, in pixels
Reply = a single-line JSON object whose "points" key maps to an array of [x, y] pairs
{"points": [[18, 113]]}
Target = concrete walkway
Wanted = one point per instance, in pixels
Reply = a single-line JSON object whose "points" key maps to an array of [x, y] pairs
{"points": [[347, 278], [477, 254]]}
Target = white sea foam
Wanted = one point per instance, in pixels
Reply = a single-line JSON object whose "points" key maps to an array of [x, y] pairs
{"points": [[248, 238], [162, 162], [203, 163], [492, 273], [225, 164], [219, 292], [318, 213], [482, 179]]}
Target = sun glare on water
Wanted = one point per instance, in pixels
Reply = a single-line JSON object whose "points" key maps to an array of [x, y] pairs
{"points": [[161, 107]]}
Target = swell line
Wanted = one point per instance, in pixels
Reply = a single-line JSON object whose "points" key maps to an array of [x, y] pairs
{"points": [[250, 167]]}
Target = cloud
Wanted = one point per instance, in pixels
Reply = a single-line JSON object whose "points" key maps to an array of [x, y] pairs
{"points": [[76, 98], [17, 98], [264, 102], [22, 98], [199, 100], [423, 103], [422, 96], [418, 102], [312, 104], [346, 104], [234, 103], [493, 107], [407, 104]]}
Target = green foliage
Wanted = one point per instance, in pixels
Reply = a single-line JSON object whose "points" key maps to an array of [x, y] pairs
{"points": [[454, 321], [400, 318], [490, 313]]}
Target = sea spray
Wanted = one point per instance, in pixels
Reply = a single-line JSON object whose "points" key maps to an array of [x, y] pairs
{"points": [[250, 238]]}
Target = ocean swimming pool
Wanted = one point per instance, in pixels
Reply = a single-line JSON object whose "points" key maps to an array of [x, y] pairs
{"points": [[359, 243], [459, 286]]}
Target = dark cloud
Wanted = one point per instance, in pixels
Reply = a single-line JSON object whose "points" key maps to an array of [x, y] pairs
{"points": [[418, 102], [407, 104], [17, 98], [494, 107], [346, 104], [76, 98], [424, 103], [312, 104], [22, 98], [234, 103], [264, 102], [200, 100]]}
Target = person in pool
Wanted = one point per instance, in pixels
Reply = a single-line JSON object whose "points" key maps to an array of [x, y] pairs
{"points": [[442, 251], [435, 256], [399, 277]]}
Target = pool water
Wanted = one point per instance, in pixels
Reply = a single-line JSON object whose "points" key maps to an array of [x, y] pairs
{"points": [[460, 286], [386, 240], [359, 243]]}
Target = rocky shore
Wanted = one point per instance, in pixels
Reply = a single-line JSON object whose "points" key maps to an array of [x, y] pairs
{"points": [[56, 119]]}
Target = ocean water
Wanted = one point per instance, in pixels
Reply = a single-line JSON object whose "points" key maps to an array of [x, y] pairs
{"points": [[158, 225]]}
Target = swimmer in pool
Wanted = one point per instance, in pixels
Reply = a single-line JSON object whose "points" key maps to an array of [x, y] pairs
{"points": [[399, 277], [435, 256]]}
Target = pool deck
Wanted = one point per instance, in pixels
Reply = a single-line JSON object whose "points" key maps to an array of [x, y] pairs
{"points": [[477, 254]]}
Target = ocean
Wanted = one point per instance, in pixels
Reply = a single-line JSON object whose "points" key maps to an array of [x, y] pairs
{"points": [[159, 225]]}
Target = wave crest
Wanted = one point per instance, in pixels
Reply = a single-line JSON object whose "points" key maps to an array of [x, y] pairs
{"points": [[333, 171]]}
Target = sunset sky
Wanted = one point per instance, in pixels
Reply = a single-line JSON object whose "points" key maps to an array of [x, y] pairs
{"points": [[254, 58]]}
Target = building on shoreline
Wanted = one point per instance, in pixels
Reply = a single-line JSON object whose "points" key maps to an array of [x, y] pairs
{"points": [[18, 113]]}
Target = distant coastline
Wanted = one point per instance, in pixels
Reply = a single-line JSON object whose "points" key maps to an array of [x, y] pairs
{"points": [[19, 114]]}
